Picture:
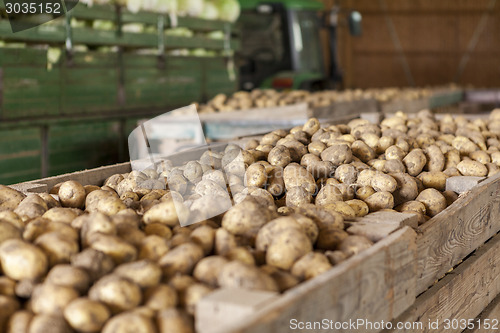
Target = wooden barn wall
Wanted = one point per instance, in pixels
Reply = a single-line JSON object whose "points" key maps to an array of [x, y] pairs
{"points": [[435, 39]]}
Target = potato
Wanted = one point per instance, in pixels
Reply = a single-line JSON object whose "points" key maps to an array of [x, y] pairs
{"points": [[347, 174], [242, 254], [19, 322], [8, 231], [144, 273], [472, 168], [166, 212], [8, 306], [255, 175], [321, 169], [330, 238], [415, 161], [270, 230], [207, 269], [193, 294], [394, 152], [337, 154], [322, 218], [68, 276], [354, 244], [174, 321], [20, 260], [364, 192], [342, 208], [224, 241], [119, 250], [9, 198], [72, 194], [245, 218], [296, 175], [160, 297], [236, 274], [450, 197], [464, 145], [383, 183], [12, 218], [117, 293], [296, 148], [412, 206], [49, 200], [316, 147], [380, 200], [335, 257], [434, 179], [205, 237], [361, 150], [58, 248], [279, 156], [308, 226], [43, 323], [51, 299], [311, 126], [85, 315], [181, 259], [276, 183], [310, 266], [95, 263], [286, 247], [59, 214], [359, 207], [31, 207], [129, 322], [297, 196], [365, 177], [93, 198], [433, 200]]}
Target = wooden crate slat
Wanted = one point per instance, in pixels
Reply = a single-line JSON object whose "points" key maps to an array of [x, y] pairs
{"points": [[375, 285], [490, 315], [456, 232], [461, 294]]}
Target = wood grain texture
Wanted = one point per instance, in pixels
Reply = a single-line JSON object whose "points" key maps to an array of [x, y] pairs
{"points": [[377, 284], [491, 314], [457, 231], [461, 294]]}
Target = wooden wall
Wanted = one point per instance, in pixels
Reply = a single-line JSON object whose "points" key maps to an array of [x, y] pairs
{"points": [[434, 39]]}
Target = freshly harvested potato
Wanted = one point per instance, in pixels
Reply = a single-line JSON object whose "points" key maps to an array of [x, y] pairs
{"points": [[51, 299], [9, 198], [472, 168], [316, 147], [85, 315], [20, 260], [310, 265], [295, 175], [335, 257], [43, 323], [245, 218], [181, 259], [347, 174], [12, 218], [57, 247], [68, 276], [60, 214], [31, 207], [433, 200], [205, 237], [362, 151], [153, 247], [359, 207], [8, 306], [129, 322], [394, 152], [49, 200], [364, 192], [160, 297], [337, 154], [433, 179], [144, 273], [382, 182], [207, 270], [193, 294], [328, 194], [450, 197], [174, 321], [8, 231], [242, 254], [407, 188], [166, 212], [19, 322], [330, 238], [354, 244], [342, 208], [380, 200], [95, 263], [279, 156], [297, 196], [237, 274], [117, 293], [276, 183], [415, 161], [256, 175], [119, 250], [72, 194]]}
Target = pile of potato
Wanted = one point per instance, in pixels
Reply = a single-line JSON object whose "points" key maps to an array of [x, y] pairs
{"points": [[116, 259], [265, 98]]}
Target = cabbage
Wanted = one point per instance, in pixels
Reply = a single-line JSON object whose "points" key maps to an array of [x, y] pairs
{"points": [[167, 6], [133, 28], [210, 11], [149, 5], [103, 25], [134, 5], [216, 35], [229, 10], [53, 56], [179, 32], [191, 7]]}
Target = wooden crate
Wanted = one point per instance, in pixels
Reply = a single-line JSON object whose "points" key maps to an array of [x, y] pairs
{"points": [[344, 109], [393, 280]]}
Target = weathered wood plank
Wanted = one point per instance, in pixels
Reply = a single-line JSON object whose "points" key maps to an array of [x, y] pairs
{"points": [[461, 294], [377, 284], [489, 319], [457, 231]]}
